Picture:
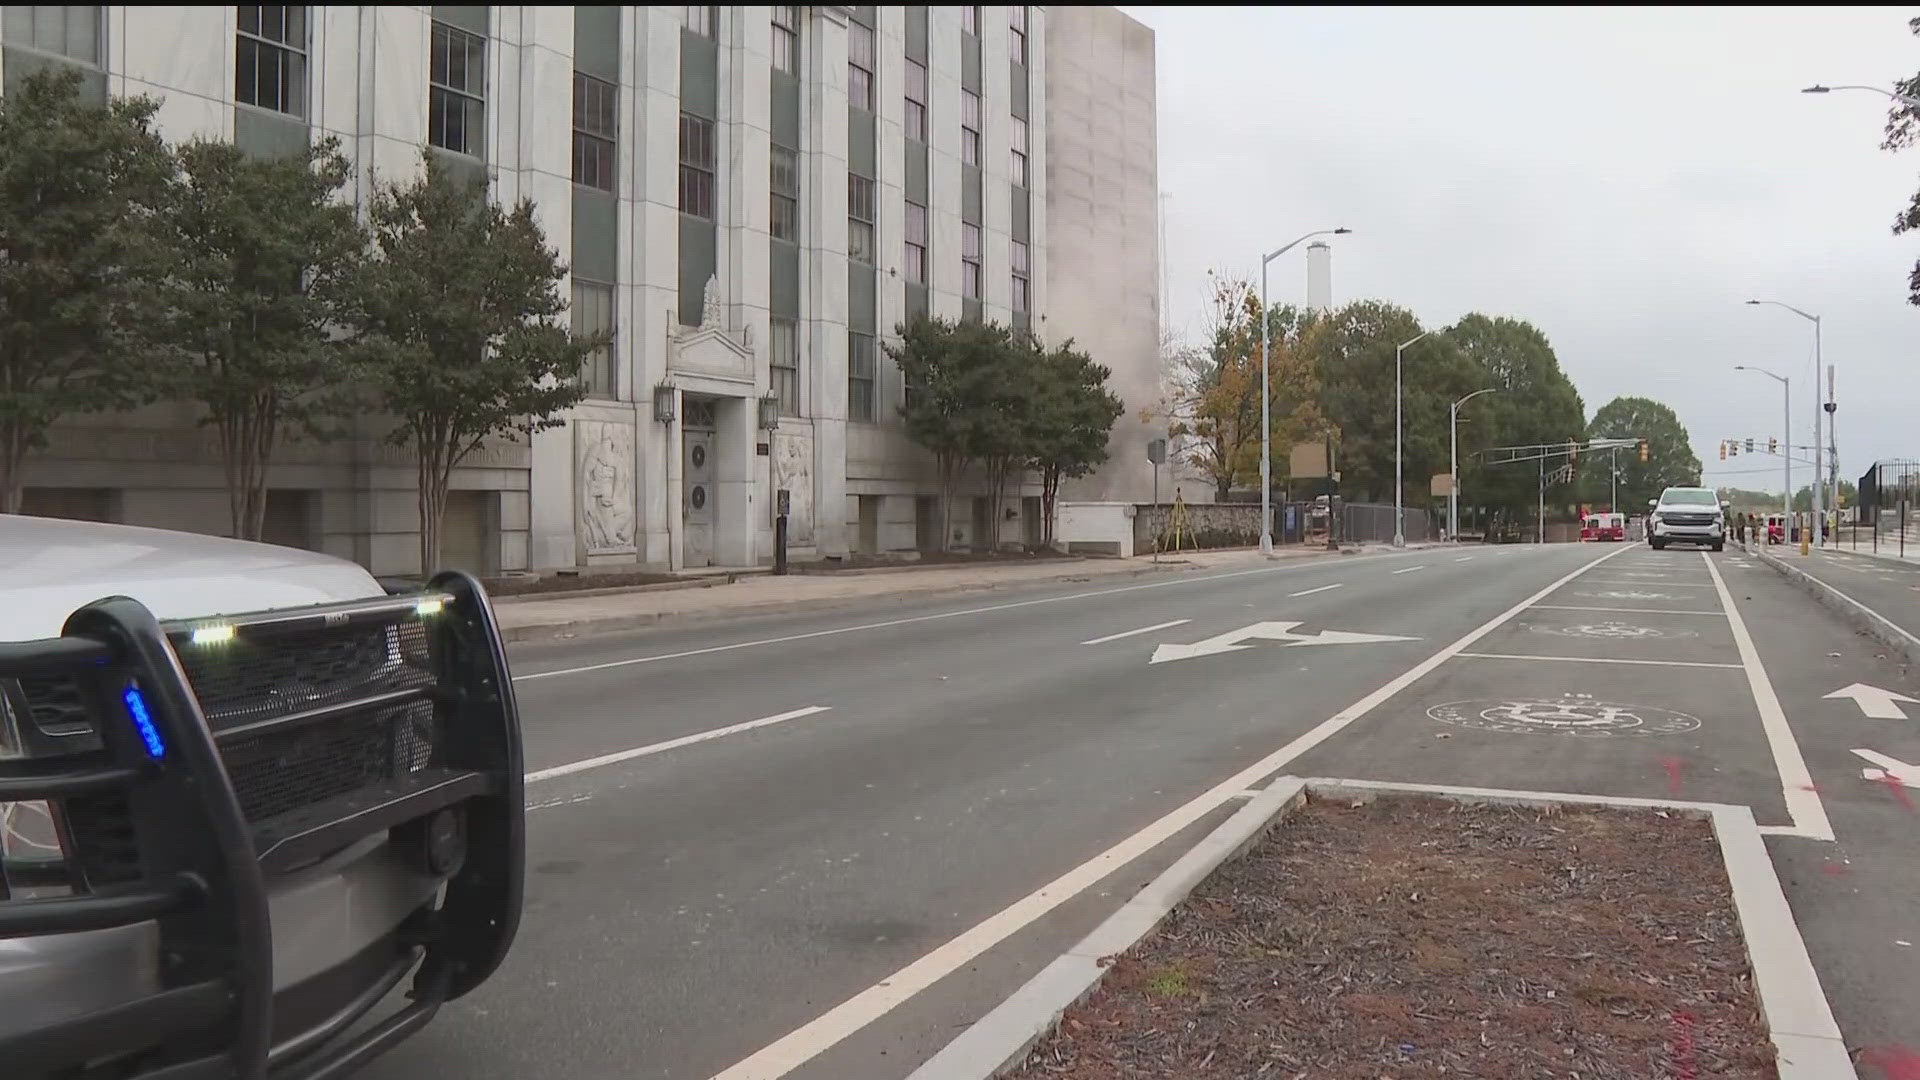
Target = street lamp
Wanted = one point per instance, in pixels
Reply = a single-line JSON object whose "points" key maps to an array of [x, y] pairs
{"points": [[1399, 526], [1453, 466], [1266, 394], [1909, 102], [1786, 418], [1819, 522]]}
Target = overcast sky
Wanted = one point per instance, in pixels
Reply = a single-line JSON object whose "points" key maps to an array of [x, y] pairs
{"points": [[1623, 179]]}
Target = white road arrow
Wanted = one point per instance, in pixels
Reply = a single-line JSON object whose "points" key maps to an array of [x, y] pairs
{"points": [[1266, 631], [1907, 775], [1875, 702]]}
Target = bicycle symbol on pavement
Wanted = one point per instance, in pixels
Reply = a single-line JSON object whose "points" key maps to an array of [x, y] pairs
{"points": [[1611, 631], [1578, 717]]}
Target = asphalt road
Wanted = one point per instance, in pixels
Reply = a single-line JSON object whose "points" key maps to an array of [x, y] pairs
{"points": [[946, 794]]}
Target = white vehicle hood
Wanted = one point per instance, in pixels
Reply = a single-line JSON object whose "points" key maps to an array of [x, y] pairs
{"points": [[50, 567]]}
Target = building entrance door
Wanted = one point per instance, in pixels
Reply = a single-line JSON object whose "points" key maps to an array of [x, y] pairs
{"points": [[696, 507]]}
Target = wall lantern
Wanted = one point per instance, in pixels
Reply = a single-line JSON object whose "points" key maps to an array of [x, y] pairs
{"points": [[770, 412], [664, 401]]}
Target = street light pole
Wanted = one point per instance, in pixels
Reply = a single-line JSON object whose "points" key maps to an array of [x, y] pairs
{"points": [[1453, 462], [1909, 102], [1819, 522], [1786, 439], [1266, 396], [1399, 521]]}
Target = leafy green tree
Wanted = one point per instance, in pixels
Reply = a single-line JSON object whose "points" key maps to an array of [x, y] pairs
{"points": [[1670, 458], [81, 189], [1903, 130], [1072, 416], [967, 399], [262, 249], [1803, 499], [1353, 350], [457, 320], [1535, 403]]}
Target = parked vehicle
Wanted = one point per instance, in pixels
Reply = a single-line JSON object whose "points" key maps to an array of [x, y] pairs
{"points": [[1604, 527], [1692, 515], [246, 793], [1776, 528]]}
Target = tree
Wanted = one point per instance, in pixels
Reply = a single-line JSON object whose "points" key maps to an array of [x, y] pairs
{"points": [[1803, 499], [1535, 404], [1213, 404], [1670, 458], [1903, 130], [456, 315], [81, 187], [1354, 354], [262, 249], [1072, 416], [965, 399]]}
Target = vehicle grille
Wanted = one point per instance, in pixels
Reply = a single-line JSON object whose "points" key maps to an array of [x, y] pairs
{"points": [[55, 705], [1687, 519], [263, 676]]}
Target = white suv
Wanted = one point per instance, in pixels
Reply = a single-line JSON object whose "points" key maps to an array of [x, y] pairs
{"points": [[1692, 515]]}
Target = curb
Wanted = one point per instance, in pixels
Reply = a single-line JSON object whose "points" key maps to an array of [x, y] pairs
{"points": [[1863, 618], [609, 624], [1807, 1041]]}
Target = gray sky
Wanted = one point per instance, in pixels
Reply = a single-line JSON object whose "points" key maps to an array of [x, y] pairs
{"points": [[1623, 179]]}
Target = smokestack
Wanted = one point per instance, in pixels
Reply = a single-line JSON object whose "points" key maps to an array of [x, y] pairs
{"points": [[1319, 276]]}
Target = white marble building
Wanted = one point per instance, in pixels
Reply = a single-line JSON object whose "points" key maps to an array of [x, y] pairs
{"points": [[740, 192]]}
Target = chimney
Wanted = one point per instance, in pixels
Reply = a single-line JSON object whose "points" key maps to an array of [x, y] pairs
{"points": [[1319, 276]]}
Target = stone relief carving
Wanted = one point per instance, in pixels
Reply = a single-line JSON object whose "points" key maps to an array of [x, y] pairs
{"points": [[793, 470], [710, 304], [604, 455]]}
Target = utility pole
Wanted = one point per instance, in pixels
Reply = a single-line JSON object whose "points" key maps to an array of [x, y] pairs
{"points": [[1613, 499], [1541, 511]]}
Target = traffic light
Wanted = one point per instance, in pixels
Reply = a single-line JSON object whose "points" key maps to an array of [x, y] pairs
{"points": [[1643, 451], [1773, 445], [1723, 449], [1733, 447], [1749, 446]]}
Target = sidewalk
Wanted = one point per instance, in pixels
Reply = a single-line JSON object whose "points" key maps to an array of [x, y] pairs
{"points": [[546, 617]]}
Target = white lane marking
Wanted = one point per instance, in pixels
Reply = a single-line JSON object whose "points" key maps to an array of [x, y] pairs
{"points": [[1874, 702], [1142, 630], [1661, 582], [1631, 610], [671, 744], [1796, 783], [940, 615], [813, 1038], [1590, 660], [1464, 558], [1310, 592], [1410, 570]]}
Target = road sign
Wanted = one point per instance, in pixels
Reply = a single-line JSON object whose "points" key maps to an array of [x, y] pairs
{"points": [[1267, 631], [1308, 461], [1875, 702], [1157, 451], [1441, 484]]}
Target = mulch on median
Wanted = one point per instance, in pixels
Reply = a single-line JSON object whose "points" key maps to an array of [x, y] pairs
{"points": [[1423, 938]]}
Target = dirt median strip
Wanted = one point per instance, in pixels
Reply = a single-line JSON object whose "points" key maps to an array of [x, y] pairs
{"points": [[1418, 937]]}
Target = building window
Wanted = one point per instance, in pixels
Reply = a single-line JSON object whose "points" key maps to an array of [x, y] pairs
{"points": [[860, 66], [270, 58], [456, 96], [1020, 273], [969, 128], [1017, 20], [916, 101], [702, 19], [784, 185], [859, 376], [595, 124], [69, 31], [786, 39], [783, 364], [1019, 152], [970, 19], [970, 260], [593, 315], [916, 243], [860, 219], [696, 166]]}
